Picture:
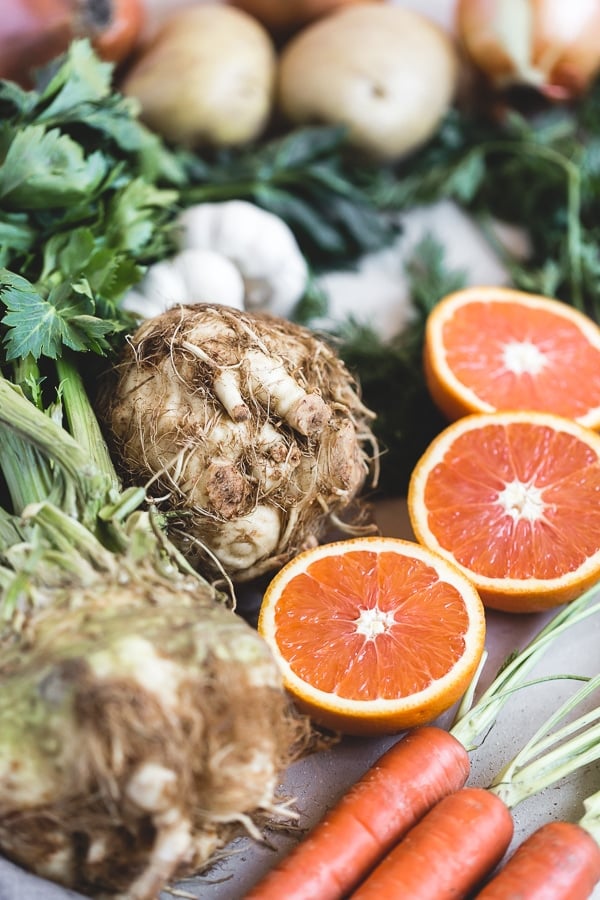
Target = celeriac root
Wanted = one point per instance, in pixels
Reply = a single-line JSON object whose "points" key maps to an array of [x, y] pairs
{"points": [[249, 425], [141, 727]]}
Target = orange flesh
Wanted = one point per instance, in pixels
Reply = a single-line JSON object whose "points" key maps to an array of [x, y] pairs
{"points": [[476, 340], [559, 471], [416, 647]]}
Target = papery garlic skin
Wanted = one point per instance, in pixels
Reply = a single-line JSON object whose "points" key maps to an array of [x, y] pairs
{"points": [[260, 244], [550, 45], [191, 276]]}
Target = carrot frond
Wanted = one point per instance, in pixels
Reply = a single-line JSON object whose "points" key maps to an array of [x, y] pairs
{"points": [[553, 753], [468, 726], [590, 820]]}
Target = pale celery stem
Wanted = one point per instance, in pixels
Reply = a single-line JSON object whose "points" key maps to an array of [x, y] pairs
{"points": [[83, 489], [10, 533], [27, 474], [69, 536], [81, 418]]}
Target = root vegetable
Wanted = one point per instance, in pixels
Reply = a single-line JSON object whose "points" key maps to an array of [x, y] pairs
{"points": [[142, 722], [558, 861], [206, 77], [473, 822], [251, 425], [387, 73], [141, 727], [404, 783]]}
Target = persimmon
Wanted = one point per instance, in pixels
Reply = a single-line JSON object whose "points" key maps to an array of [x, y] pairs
{"points": [[33, 32]]}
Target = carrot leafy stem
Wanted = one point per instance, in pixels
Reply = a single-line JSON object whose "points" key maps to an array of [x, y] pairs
{"points": [[476, 720]]}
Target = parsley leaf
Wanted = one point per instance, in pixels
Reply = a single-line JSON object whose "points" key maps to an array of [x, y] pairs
{"points": [[46, 168], [42, 327], [87, 198]]}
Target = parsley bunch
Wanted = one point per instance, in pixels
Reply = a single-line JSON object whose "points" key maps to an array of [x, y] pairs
{"points": [[85, 190]]}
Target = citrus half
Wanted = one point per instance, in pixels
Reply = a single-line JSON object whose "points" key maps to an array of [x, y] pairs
{"points": [[373, 635], [513, 499], [494, 348]]}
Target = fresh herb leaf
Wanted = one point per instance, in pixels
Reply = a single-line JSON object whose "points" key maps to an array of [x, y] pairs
{"points": [[132, 215], [87, 198], [80, 78], [46, 168], [42, 327], [310, 178]]}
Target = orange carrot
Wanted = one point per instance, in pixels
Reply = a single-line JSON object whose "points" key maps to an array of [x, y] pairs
{"points": [[457, 844], [448, 853], [424, 766], [559, 861], [416, 772]]}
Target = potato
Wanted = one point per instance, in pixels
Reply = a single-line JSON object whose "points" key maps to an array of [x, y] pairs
{"points": [[207, 77], [284, 16], [386, 72]]}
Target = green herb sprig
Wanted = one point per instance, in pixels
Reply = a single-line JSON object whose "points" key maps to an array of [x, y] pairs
{"points": [[85, 190], [311, 179], [539, 172]]}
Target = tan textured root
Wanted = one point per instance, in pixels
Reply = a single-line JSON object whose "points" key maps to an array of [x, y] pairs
{"points": [[249, 429]]}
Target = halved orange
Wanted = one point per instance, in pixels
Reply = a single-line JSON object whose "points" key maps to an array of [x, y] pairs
{"points": [[373, 635], [494, 348], [513, 499]]}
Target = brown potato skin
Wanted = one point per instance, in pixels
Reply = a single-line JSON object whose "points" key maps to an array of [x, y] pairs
{"points": [[286, 16], [387, 73]]}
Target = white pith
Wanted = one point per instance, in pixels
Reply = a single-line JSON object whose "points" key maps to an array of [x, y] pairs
{"points": [[522, 501], [523, 357]]}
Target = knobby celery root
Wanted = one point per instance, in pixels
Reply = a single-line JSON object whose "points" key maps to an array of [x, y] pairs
{"points": [[249, 424], [141, 726]]}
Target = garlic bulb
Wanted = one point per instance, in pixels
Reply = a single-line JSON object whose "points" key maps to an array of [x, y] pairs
{"points": [[259, 243], [191, 276]]}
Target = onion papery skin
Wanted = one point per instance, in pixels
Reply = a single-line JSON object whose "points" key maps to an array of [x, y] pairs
{"points": [[285, 16], [552, 46]]}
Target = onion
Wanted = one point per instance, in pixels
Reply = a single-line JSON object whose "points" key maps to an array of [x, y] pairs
{"points": [[33, 32], [550, 45]]}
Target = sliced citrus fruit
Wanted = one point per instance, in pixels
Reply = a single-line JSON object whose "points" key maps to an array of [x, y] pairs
{"points": [[373, 635], [512, 498], [494, 348]]}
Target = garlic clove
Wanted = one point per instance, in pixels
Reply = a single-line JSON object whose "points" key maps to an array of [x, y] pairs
{"points": [[260, 244], [210, 277]]}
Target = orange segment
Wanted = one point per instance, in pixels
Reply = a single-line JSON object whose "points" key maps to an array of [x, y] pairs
{"points": [[373, 635], [512, 498], [490, 348]]}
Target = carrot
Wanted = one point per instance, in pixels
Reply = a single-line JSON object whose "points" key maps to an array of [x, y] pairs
{"points": [[450, 851], [559, 861], [377, 811], [406, 782], [447, 853]]}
